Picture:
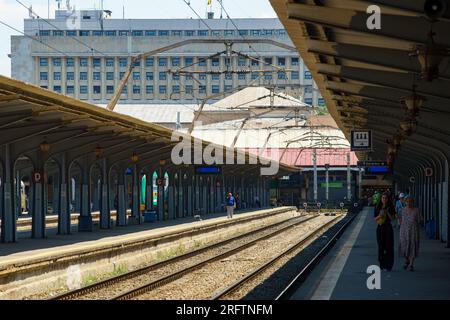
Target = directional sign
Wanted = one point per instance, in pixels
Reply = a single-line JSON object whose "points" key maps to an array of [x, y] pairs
{"points": [[412, 179], [429, 172], [372, 163], [305, 205], [319, 205], [361, 140], [342, 204]]}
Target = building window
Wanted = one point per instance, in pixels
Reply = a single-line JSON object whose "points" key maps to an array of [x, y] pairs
{"points": [[308, 75], [228, 76], [295, 61], [255, 63], [44, 33], [281, 75], [163, 33], [149, 76], [70, 76], [269, 32], [216, 33], [176, 76], [83, 76], [70, 90], [202, 76], [202, 62], [136, 89], [215, 89], [188, 76], [71, 33], [150, 33], [125, 90], [97, 89], [97, 33], [162, 89], [188, 61], [149, 62], [308, 89], [96, 62], [83, 62], [242, 62], [241, 76], [123, 33], [175, 62], [57, 76], [57, 62], [202, 89], [189, 33], [136, 76], [149, 89], [229, 33], [110, 76], [255, 32], [70, 62], [228, 88], [44, 87], [137, 33], [96, 76], [268, 61], [176, 89], [268, 75], [203, 33], [43, 76], [137, 63], [215, 62], [177, 33], [282, 32], [321, 102], [110, 89], [254, 75], [243, 32], [123, 62], [162, 76], [189, 89], [43, 62], [121, 75], [57, 89], [84, 33], [162, 62], [281, 62], [215, 76], [295, 75], [110, 62], [83, 89], [309, 101], [110, 33]]}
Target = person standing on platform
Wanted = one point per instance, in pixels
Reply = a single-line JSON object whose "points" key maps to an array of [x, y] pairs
{"points": [[409, 234], [384, 214], [399, 205], [231, 205], [376, 198]]}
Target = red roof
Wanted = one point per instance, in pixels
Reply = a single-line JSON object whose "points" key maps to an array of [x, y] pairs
{"points": [[304, 157]]}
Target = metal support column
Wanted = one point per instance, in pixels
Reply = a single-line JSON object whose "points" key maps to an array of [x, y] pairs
{"points": [[64, 210], [8, 225], [39, 206], [121, 219], [105, 213], [85, 218]]}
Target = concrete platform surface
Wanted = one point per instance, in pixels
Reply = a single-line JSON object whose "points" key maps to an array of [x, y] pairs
{"points": [[26, 250], [342, 274]]}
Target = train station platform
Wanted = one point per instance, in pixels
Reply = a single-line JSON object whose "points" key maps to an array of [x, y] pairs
{"points": [[94, 254], [342, 274]]}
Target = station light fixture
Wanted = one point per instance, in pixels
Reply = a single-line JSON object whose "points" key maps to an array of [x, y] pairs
{"points": [[413, 102], [98, 152], [45, 147], [162, 162], [430, 56], [408, 126], [134, 157]]}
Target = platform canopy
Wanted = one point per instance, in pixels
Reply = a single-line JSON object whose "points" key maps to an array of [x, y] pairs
{"points": [[365, 74], [31, 116]]}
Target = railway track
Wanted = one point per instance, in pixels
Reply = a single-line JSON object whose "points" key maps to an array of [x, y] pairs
{"points": [[104, 285], [222, 294], [286, 290]]}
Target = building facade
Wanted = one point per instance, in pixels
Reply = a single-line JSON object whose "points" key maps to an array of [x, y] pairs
{"points": [[93, 53]]}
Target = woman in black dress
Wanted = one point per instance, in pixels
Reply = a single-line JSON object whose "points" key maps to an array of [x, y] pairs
{"points": [[384, 214]]}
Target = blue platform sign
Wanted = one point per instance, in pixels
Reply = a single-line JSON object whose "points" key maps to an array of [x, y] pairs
{"points": [[209, 170]]}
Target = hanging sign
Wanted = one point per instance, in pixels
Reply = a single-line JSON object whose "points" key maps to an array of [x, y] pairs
{"points": [[361, 140]]}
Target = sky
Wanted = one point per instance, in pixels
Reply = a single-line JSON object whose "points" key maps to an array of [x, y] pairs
{"points": [[12, 13]]}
